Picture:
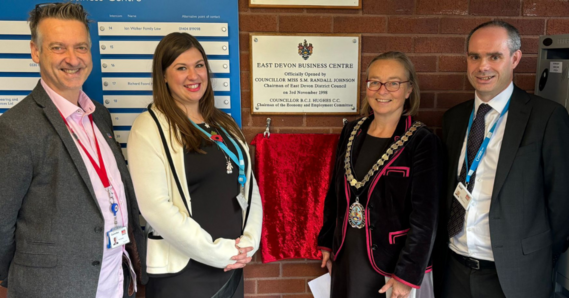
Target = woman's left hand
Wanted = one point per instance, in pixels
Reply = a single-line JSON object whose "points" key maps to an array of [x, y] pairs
{"points": [[242, 258], [400, 290]]}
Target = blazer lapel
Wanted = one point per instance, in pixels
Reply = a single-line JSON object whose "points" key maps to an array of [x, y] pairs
{"points": [[456, 136], [54, 117], [518, 116]]}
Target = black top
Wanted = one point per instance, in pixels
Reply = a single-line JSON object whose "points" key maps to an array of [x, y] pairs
{"points": [[352, 274], [215, 208], [212, 190]]}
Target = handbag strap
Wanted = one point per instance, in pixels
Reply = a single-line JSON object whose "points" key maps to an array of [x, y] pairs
{"points": [[169, 156]]}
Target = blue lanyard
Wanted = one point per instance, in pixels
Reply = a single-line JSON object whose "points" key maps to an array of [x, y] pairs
{"points": [[240, 163], [484, 145]]}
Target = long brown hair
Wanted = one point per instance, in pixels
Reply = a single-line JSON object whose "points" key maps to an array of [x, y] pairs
{"points": [[411, 106], [169, 48]]}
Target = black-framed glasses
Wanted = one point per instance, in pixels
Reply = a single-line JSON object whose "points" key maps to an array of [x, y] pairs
{"points": [[390, 86]]}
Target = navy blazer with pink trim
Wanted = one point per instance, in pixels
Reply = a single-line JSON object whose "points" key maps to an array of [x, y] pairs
{"points": [[401, 209]]}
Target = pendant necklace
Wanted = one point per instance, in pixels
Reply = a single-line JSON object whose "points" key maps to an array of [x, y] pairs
{"points": [[228, 164], [357, 210]]}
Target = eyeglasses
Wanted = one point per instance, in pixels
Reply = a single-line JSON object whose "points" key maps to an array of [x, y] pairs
{"points": [[390, 86]]}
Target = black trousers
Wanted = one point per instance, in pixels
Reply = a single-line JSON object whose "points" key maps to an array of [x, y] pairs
{"points": [[464, 282]]}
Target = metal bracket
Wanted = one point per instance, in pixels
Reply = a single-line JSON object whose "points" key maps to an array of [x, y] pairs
{"points": [[267, 132]]}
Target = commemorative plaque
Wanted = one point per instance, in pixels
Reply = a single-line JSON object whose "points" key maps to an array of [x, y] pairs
{"points": [[305, 74]]}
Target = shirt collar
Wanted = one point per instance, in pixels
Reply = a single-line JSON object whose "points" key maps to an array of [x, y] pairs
{"points": [[65, 107], [498, 103]]}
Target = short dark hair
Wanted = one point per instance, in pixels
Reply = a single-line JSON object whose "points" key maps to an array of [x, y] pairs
{"points": [[62, 11], [514, 40]]}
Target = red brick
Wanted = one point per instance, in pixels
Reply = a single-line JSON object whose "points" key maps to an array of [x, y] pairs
{"points": [[427, 100], [299, 24], [276, 10], [424, 63], [336, 131], [452, 63], [243, 42], [256, 23], [244, 61], [333, 11], [245, 80], [243, 5], [528, 26], [440, 45], [448, 100], [527, 65], [250, 286], [262, 270], [530, 45], [251, 132], [299, 296], [245, 99], [558, 26], [525, 81], [380, 44], [281, 286], [360, 24], [441, 81], [454, 7], [304, 269], [495, 7], [413, 25], [306, 130], [545, 8], [460, 25], [262, 296], [365, 60], [277, 120], [388, 7], [431, 118], [245, 116], [325, 121]]}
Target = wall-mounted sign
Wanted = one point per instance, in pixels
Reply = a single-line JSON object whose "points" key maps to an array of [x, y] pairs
{"points": [[349, 4], [305, 73]]}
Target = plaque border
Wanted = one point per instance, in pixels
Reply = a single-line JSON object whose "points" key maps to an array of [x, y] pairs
{"points": [[358, 104]]}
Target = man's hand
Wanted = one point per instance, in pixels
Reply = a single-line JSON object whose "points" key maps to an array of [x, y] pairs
{"points": [[241, 257], [326, 262], [400, 290]]}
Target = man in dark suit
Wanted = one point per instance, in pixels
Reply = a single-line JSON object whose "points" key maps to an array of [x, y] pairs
{"points": [[505, 216], [65, 189]]}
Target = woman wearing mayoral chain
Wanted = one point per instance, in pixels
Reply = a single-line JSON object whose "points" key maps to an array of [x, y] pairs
{"points": [[380, 213], [192, 175]]}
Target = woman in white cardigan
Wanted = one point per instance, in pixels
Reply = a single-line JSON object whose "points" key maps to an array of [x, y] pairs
{"points": [[201, 203]]}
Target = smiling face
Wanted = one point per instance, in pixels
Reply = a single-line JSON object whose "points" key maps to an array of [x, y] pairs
{"points": [[490, 63], [187, 78], [63, 53], [382, 102]]}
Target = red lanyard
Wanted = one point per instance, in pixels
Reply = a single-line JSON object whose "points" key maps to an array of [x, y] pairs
{"points": [[101, 170]]}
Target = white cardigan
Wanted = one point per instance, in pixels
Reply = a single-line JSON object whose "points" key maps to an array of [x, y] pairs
{"points": [[162, 206]]}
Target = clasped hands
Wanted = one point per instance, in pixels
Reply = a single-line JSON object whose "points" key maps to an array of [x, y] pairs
{"points": [[241, 258]]}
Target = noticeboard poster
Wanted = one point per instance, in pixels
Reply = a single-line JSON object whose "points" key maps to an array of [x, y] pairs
{"points": [[124, 35]]}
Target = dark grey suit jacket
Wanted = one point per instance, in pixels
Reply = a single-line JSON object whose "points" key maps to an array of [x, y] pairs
{"points": [[51, 226], [529, 212]]}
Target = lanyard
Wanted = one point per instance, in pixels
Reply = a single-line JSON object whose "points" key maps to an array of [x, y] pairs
{"points": [[484, 145], [100, 168], [241, 163]]}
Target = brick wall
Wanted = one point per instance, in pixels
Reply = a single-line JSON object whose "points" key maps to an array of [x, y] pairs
{"points": [[433, 34]]}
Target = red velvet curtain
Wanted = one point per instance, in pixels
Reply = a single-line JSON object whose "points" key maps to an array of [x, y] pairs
{"points": [[293, 172]]}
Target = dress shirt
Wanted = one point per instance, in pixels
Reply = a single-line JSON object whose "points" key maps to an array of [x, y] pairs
{"points": [[474, 240], [111, 276]]}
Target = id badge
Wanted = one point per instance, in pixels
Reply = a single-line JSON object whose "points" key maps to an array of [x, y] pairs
{"points": [[462, 194], [117, 237], [242, 202]]}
